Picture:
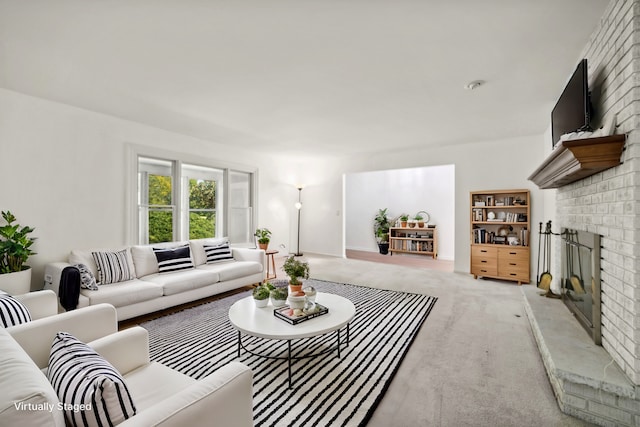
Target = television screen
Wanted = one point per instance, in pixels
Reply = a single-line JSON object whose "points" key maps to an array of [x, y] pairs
{"points": [[572, 111]]}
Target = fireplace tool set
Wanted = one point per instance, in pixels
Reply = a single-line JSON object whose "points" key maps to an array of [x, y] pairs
{"points": [[544, 279]]}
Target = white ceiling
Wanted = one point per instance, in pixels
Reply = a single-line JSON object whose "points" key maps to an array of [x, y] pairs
{"points": [[318, 76]]}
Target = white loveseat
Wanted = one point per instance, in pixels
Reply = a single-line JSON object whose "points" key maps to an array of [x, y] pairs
{"points": [[162, 396], [151, 290]]}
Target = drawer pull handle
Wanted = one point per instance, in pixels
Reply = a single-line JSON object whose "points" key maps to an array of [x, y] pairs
{"points": [[512, 263], [513, 253], [484, 271], [484, 261], [483, 250]]}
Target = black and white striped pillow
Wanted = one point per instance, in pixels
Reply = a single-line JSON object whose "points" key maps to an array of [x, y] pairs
{"points": [[173, 259], [80, 376], [12, 311], [218, 253], [113, 267], [87, 280]]}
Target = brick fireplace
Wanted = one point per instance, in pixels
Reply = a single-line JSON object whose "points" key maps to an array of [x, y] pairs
{"points": [[608, 203], [604, 388]]}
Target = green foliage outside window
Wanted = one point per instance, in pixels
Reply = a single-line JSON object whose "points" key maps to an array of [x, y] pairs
{"points": [[202, 195]]}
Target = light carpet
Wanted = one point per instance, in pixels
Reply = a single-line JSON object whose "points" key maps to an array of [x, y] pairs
{"points": [[326, 390]]}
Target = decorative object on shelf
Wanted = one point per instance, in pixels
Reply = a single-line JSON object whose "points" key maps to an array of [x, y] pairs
{"points": [[264, 237], [403, 220], [278, 295], [296, 270], [261, 296], [422, 217], [15, 250], [381, 225]]}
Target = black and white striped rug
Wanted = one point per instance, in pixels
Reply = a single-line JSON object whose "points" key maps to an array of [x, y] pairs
{"points": [[327, 391]]}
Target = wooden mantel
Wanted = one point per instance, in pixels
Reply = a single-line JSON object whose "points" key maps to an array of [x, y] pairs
{"points": [[576, 159]]}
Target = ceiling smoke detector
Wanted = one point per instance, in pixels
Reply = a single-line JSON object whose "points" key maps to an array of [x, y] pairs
{"points": [[474, 84]]}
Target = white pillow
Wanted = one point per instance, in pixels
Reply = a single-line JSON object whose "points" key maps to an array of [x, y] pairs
{"points": [[12, 311], [92, 390]]}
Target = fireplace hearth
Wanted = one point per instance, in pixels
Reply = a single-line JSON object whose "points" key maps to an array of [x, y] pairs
{"points": [[581, 279]]}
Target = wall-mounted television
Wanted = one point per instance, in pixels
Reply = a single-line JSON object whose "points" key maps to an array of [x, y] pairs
{"points": [[572, 112]]}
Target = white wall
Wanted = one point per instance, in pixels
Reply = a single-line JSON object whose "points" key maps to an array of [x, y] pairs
{"points": [[63, 171], [408, 191]]}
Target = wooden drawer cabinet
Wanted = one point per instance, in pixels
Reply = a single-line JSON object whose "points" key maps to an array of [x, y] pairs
{"points": [[484, 261], [513, 263]]}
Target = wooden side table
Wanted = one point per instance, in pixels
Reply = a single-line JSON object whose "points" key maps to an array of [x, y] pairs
{"points": [[271, 264]]}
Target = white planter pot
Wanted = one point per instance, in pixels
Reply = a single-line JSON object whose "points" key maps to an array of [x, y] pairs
{"points": [[16, 283], [260, 303], [278, 302]]}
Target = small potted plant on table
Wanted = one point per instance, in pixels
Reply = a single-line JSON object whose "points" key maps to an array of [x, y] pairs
{"points": [[296, 270], [264, 237], [261, 296], [278, 295]]}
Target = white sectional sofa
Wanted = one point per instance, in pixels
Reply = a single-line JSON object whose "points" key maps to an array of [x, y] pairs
{"points": [[162, 396], [150, 290]]}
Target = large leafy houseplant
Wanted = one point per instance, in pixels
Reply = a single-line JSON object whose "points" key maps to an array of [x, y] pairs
{"points": [[15, 245], [381, 225]]}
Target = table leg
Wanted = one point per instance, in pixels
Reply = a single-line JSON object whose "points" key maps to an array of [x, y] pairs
{"points": [[289, 361], [239, 343], [347, 335], [338, 331]]}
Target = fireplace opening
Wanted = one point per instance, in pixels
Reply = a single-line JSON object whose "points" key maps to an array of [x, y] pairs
{"points": [[581, 279]]}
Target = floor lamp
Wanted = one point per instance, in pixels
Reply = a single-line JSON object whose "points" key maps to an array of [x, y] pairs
{"points": [[298, 206]]}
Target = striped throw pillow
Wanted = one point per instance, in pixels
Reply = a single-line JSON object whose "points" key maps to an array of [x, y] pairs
{"points": [[12, 311], [113, 267], [173, 259], [92, 390], [218, 253]]}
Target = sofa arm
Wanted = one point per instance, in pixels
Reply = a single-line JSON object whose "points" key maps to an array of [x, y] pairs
{"points": [[125, 350], [52, 274], [40, 303], [246, 254], [87, 324], [224, 398]]}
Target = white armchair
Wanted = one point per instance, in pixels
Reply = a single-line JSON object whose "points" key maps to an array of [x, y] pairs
{"points": [[162, 396]]}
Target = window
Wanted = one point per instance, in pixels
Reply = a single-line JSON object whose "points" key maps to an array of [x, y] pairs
{"points": [[178, 201]]}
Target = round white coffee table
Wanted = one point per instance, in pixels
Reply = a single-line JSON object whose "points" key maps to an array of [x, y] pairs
{"points": [[261, 322]]}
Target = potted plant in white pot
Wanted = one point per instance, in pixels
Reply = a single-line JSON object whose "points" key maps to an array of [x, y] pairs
{"points": [[279, 295], [261, 296], [264, 237], [15, 250]]}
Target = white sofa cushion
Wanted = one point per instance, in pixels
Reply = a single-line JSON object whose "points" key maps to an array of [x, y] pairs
{"points": [[145, 260], [182, 281], [232, 270], [197, 248], [123, 293], [85, 257], [154, 383], [12, 311], [95, 392], [25, 392]]}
